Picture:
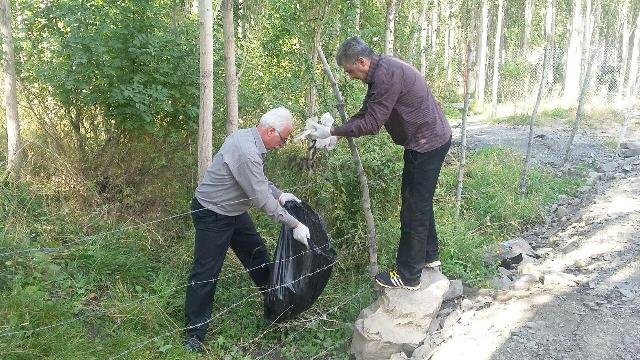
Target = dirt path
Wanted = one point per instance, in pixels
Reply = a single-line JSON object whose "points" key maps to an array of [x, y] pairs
{"points": [[581, 298]]}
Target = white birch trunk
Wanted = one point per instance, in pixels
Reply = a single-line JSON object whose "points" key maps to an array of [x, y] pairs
{"points": [[452, 44], [522, 186], [463, 129], [625, 30], [358, 14], [423, 37], [634, 64], [390, 26], [482, 52], [584, 89], [205, 117], [496, 60], [573, 64], [435, 14], [448, 45], [230, 74], [15, 156], [528, 20]]}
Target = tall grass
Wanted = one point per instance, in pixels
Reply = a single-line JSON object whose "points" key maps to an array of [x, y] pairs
{"points": [[126, 285]]}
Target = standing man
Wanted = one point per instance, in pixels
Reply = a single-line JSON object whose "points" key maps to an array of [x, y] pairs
{"points": [[399, 99], [233, 183]]}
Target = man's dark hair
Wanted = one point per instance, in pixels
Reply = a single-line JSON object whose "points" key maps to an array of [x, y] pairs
{"points": [[351, 49]]}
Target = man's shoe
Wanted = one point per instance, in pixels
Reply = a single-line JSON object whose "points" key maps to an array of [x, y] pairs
{"points": [[435, 265], [192, 344], [392, 280]]}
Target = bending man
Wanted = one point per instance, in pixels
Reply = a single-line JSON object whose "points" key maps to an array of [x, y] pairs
{"points": [[233, 183]]}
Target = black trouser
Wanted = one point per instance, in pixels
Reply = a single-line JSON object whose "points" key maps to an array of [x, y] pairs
{"points": [[418, 238], [214, 234]]}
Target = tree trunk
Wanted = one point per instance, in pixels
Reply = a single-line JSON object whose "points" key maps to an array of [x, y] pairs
{"points": [[230, 75], [482, 51], [496, 61], [390, 26], [584, 89], [634, 64], [586, 35], [625, 126], [15, 158], [423, 37], [522, 187], [310, 98], [205, 117], [448, 44], [358, 14], [435, 14], [463, 130], [528, 19], [572, 68], [362, 177], [624, 52]]}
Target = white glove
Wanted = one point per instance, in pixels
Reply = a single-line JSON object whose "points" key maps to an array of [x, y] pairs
{"points": [[284, 197], [328, 143], [319, 131], [301, 233]]}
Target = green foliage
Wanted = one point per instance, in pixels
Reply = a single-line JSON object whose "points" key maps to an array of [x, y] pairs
{"points": [[119, 288], [117, 65]]}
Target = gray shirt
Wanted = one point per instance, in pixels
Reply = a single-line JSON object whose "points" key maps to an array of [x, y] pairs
{"points": [[235, 180]]}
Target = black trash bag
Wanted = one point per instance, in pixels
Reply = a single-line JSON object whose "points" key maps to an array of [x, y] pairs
{"points": [[299, 274]]}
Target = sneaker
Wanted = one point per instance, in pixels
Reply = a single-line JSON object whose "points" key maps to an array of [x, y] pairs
{"points": [[192, 344], [392, 280], [433, 265]]}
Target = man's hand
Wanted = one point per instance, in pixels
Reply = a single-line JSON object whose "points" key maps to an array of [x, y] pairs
{"points": [[328, 143], [319, 131], [284, 197], [301, 233]]}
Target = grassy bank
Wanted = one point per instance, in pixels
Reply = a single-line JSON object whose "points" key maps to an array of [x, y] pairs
{"points": [[112, 284]]}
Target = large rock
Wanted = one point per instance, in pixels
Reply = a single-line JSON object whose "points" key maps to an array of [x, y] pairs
{"points": [[630, 145], [514, 247], [399, 318]]}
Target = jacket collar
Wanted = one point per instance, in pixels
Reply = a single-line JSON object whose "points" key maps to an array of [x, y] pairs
{"points": [[373, 66], [259, 143]]}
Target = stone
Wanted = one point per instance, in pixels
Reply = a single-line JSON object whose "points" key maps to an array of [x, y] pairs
{"points": [[504, 272], [630, 145], [558, 279], [398, 318], [500, 282], [609, 167], [628, 153], [524, 281], [562, 211], [423, 352], [466, 305], [570, 246], [398, 356], [530, 269], [514, 247], [455, 290], [452, 318]]}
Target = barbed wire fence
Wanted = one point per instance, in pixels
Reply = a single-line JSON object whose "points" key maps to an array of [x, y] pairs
{"points": [[96, 238]]}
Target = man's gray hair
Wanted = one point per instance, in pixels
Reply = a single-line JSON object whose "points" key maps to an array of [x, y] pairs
{"points": [[276, 118], [351, 49]]}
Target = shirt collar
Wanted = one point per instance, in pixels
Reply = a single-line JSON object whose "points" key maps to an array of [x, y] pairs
{"points": [[259, 143], [373, 66]]}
